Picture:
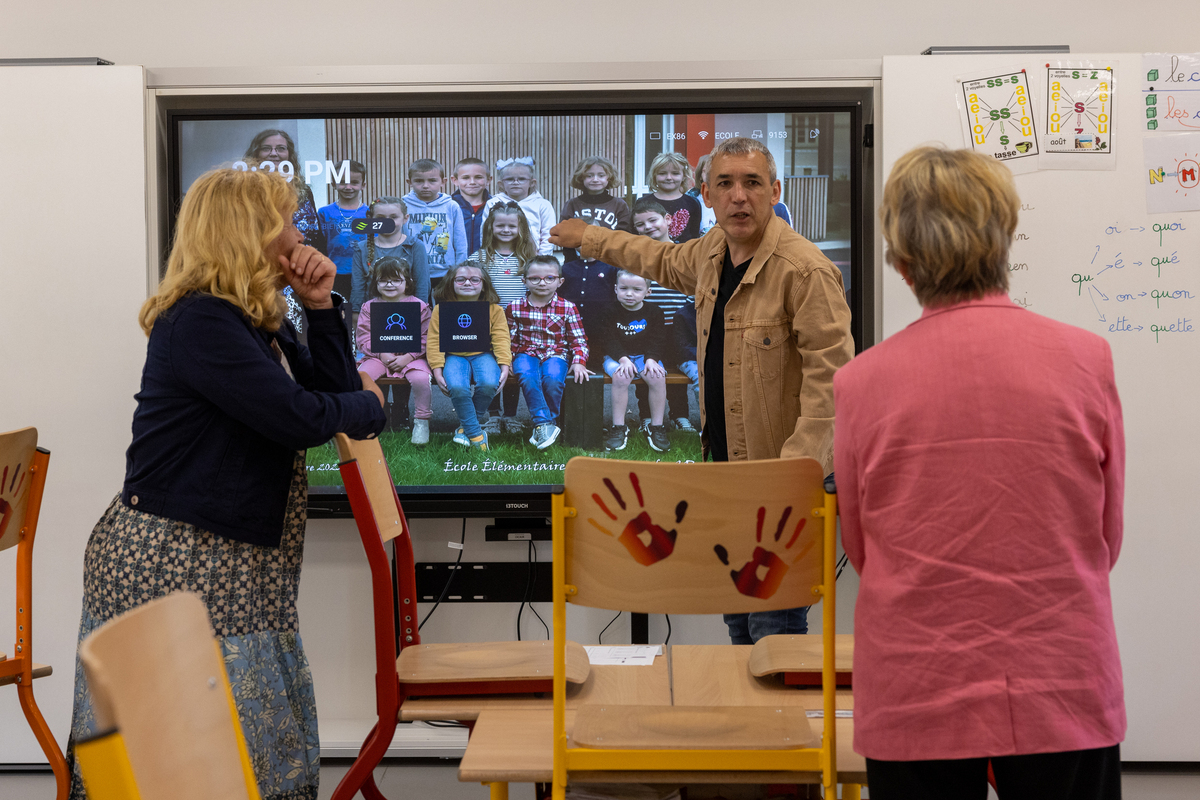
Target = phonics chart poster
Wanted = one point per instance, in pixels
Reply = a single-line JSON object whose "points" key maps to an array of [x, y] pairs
{"points": [[1173, 172], [1171, 91], [1079, 120], [997, 118]]}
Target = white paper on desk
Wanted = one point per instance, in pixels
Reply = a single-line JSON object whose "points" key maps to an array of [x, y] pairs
{"points": [[841, 713], [640, 655]]}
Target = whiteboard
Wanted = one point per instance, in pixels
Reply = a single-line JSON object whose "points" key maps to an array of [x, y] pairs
{"points": [[1085, 254], [72, 278]]}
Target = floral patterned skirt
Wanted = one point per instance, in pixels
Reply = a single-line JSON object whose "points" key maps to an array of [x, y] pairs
{"points": [[133, 557]]}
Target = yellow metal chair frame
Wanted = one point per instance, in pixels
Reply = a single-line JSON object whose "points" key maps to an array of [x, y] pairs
{"points": [[22, 481], [169, 726], [585, 504]]}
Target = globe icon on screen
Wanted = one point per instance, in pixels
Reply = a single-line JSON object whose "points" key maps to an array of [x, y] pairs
{"points": [[464, 320]]}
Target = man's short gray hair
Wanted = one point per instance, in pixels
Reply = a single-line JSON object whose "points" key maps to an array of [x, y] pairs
{"points": [[743, 146]]}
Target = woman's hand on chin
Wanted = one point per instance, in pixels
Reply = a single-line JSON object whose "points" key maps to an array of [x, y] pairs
{"points": [[310, 274]]}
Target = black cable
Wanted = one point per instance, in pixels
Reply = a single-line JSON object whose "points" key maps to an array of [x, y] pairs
{"points": [[532, 585], [443, 723], [453, 570], [525, 597], [668, 641], [841, 565], [600, 638]]}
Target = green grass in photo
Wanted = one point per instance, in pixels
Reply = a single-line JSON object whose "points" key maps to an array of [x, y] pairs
{"points": [[510, 460]]}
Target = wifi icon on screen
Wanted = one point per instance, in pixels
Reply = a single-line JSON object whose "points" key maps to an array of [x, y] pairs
{"points": [[702, 134]]}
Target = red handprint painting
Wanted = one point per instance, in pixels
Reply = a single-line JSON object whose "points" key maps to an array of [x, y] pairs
{"points": [[15, 489], [646, 541], [761, 576]]}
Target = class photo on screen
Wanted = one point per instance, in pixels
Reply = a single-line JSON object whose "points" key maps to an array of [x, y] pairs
{"points": [[500, 355]]}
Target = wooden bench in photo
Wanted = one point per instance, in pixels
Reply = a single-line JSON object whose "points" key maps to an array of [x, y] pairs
{"points": [[582, 417]]}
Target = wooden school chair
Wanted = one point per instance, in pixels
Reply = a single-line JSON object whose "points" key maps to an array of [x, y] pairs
{"points": [[799, 658], [168, 724], [418, 669], [664, 538], [22, 481]]}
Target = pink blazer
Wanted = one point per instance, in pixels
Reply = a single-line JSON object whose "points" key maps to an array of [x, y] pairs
{"points": [[980, 460]]}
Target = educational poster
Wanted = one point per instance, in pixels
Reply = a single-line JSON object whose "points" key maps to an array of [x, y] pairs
{"points": [[1079, 120], [1173, 173], [1171, 91], [997, 118]]}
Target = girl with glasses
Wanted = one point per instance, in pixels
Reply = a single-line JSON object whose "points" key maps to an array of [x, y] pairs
{"points": [[518, 184], [455, 372], [391, 282]]}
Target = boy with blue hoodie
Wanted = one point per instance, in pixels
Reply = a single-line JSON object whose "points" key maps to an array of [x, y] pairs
{"points": [[434, 218]]}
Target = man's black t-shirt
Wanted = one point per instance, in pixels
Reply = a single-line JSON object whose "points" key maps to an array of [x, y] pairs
{"points": [[714, 361]]}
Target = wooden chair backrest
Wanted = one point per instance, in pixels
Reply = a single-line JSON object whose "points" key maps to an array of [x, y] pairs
{"points": [[16, 454], [157, 675], [377, 478], [663, 538]]}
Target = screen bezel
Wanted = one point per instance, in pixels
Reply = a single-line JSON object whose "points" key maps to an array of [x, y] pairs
{"points": [[534, 500]]}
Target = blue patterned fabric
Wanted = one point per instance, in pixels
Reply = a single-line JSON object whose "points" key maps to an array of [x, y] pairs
{"points": [[133, 557]]}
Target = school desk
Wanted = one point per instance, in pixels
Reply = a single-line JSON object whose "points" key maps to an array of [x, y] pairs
{"points": [[511, 736]]}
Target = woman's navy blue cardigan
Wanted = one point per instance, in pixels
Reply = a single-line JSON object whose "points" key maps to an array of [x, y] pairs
{"points": [[219, 420]]}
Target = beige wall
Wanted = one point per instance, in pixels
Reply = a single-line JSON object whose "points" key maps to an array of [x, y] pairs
{"points": [[307, 32]]}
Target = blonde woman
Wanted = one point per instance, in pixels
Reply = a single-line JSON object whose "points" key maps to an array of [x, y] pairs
{"points": [[214, 492], [980, 472]]}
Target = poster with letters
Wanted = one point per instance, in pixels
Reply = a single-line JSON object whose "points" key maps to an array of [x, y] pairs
{"points": [[1172, 173], [996, 111], [1079, 120], [1171, 92]]}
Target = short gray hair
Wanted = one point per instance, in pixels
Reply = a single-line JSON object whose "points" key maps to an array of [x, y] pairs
{"points": [[743, 146]]}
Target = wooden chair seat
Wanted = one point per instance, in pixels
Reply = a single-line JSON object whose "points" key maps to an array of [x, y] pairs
{"points": [[693, 727], [799, 658], [488, 661], [39, 671]]}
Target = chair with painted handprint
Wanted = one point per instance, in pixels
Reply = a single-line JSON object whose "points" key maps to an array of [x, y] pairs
{"points": [[22, 479], [710, 538]]}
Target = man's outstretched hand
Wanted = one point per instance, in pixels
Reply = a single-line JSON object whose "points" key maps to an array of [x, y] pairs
{"points": [[568, 233]]}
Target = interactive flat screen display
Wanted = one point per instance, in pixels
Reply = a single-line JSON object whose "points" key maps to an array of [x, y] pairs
{"points": [[400, 202]]}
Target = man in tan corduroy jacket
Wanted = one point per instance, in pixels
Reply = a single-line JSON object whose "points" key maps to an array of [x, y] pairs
{"points": [[772, 325]]}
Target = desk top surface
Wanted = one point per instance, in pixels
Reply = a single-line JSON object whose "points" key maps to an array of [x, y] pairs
{"points": [[512, 737]]}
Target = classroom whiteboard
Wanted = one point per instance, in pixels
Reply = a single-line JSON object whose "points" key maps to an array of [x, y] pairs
{"points": [[1087, 253], [72, 278]]}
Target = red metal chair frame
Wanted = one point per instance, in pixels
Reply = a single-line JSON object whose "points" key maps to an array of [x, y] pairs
{"points": [[390, 692]]}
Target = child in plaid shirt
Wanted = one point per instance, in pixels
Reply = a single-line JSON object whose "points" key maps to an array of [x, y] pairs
{"points": [[546, 331]]}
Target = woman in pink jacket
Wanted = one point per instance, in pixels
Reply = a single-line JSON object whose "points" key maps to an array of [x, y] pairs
{"points": [[980, 467]]}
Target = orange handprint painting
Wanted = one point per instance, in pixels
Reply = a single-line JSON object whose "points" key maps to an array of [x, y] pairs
{"points": [[647, 542], [761, 576]]}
